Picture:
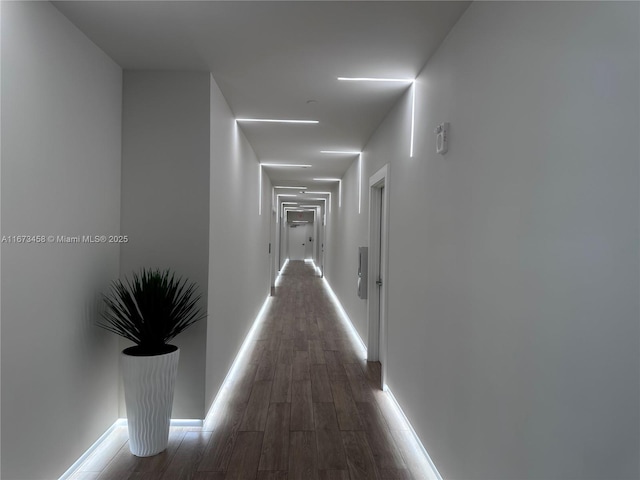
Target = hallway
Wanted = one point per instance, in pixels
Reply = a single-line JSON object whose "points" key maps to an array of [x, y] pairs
{"points": [[302, 403]]}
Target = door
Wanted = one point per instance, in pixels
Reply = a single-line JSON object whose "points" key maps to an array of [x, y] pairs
{"points": [[378, 239], [308, 241], [297, 242]]}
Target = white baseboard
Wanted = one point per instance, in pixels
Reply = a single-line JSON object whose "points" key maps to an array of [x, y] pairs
{"points": [[71, 470], [122, 422], [433, 473]]}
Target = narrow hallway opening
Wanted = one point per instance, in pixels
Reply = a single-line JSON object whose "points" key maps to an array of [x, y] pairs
{"points": [[302, 403]]}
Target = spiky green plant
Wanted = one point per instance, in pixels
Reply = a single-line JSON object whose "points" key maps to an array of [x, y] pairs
{"points": [[150, 309]]}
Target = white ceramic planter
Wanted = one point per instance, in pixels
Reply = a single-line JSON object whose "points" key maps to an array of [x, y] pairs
{"points": [[148, 390]]}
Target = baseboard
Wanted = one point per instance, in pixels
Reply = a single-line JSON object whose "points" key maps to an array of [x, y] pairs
{"points": [[72, 469], [433, 473], [122, 422]]}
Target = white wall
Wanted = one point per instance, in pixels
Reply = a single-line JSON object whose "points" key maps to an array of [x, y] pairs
{"points": [[165, 200], [61, 111], [350, 230], [239, 279], [513, 263]]}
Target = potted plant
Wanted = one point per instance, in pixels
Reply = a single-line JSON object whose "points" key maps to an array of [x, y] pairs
{"points": [[150, 310]]}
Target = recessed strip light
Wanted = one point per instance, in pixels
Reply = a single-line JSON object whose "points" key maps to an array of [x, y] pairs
{"points": [[288, 203], [310, 206], [359, 184], [373, 79], [294, 188], [327, 179], [275, 120], [340, 152], [287, 195], [285, 165], [413, 117], [319, 193]]}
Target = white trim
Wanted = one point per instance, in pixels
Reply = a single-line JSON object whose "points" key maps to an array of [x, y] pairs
{"points": [[122, 422], [242, 352], [359, 183], [343, 316], [434, 471], [377, 314], [72, 469], [434, 474], [187, 422], [413, 117]]}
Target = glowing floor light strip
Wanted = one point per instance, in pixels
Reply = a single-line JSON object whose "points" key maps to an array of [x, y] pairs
{"points": [[315, 267], [399, 413], [237, 362], [72, 469], [284, 265], [344, 317], [120, 422]]}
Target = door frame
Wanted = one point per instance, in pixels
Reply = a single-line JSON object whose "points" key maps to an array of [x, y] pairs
{"points": [[378, 268]]}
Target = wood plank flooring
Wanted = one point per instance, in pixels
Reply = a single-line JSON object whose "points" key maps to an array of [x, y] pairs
{"points": [[305, 406]]}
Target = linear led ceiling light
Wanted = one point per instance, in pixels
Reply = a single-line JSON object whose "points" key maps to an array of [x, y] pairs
{"points": [[319, 193], [375, 79], [339, 180], [275, 120], [294, 188], [340, 152], [394, 80], [285, 165]]}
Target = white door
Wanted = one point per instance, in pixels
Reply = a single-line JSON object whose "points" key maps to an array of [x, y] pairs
{"points": [[378, 235], [297, 242], [309, 241]]}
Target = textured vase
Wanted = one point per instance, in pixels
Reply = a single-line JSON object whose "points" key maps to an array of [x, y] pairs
{"points": [[148, 390]]}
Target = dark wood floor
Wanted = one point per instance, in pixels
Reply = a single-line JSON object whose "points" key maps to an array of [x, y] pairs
{"points": [[304, 405]]}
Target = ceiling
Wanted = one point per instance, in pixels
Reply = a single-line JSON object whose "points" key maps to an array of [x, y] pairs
{"points": [[281, 60]]}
